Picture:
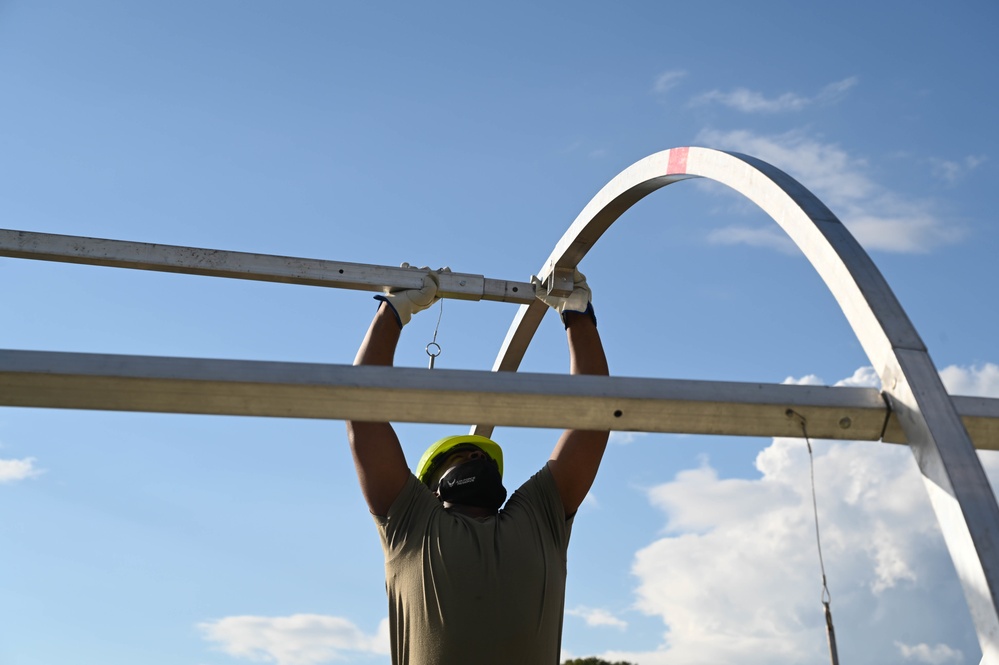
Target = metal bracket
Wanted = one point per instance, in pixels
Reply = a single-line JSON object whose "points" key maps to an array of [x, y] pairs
{"points": [[559, 282]]}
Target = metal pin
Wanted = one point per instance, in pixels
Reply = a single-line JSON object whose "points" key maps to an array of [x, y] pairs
{"points": [[433, 356]]}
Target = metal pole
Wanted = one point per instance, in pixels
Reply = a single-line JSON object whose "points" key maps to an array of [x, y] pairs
{"points": [[244, 265], [48, 379]]}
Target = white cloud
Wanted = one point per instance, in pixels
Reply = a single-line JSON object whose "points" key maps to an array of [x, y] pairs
{"points": [[300, 639], [835, 90], [597, 617], [767, 236], [935, 655], [749, 101], [807, 380], [738, 573], [952, 171], [735, 577], [12, 470], [624, 438], [910, 230], [879, 218], [982, 381], [668, 80], [863, 377]]}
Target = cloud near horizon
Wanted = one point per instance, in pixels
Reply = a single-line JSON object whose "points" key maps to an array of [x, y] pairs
{"points": [[879, 218], [299, 639], [736, 576], [975, 381], [596, 617]]}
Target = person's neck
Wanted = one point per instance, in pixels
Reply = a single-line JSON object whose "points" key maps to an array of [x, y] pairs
{"points": [[469, 511]]}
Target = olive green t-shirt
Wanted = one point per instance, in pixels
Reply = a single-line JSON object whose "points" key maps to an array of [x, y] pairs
{"points": [[487, 591]]}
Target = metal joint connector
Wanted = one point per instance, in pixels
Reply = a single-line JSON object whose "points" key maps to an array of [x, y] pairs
{"points": [[559, 282]]}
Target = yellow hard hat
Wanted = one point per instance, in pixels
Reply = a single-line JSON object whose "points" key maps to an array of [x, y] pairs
{"points": [[488, 446]]}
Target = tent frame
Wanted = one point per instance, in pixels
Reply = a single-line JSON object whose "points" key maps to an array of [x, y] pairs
{"points": [[912, 407]]}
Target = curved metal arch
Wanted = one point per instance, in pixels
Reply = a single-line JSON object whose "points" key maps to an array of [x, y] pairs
{"points": [[959, 490]]}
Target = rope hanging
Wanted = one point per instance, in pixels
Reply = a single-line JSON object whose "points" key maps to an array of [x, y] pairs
{"points": [[826, 596]]}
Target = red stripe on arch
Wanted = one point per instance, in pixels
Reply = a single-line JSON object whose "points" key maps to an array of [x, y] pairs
{"points": [[677, 161]]}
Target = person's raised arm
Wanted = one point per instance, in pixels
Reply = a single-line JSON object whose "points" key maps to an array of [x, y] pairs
{"points": [[577, 455], [378, 457]]}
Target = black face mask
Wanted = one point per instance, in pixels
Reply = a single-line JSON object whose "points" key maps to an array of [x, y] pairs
{"points": [[476, 483]]}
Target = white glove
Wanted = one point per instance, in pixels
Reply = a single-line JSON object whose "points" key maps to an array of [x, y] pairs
{"points": [[407, 302], [577, 301]]}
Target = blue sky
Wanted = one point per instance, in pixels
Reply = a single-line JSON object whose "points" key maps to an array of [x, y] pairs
{"points": [[471, 136]]}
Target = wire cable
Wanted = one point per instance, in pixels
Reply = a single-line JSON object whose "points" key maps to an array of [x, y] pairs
{"points": [[433, 342], [826, 596]]}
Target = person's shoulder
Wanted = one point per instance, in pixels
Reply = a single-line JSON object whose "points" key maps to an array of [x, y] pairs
{"points": [[543, 480], [536, 508], [539, 489], [414, 496]]}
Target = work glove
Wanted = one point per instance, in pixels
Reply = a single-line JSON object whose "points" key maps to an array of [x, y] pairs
{"points": [[406, 302], [577, 301]]}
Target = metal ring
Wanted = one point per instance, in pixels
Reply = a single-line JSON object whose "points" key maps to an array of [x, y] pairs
{"points": [[433, 355]]}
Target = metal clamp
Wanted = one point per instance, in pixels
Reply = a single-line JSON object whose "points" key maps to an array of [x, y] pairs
{"points": [[559, 282]]}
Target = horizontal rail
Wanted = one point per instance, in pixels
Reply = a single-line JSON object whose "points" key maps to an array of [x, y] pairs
{"points": [[244, 265], [304, 390]]}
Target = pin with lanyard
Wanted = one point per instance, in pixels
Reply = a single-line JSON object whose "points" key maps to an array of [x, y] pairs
{"points": [[433, 348]]}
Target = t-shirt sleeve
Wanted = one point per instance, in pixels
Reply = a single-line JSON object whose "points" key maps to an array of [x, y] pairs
{"points": [[540, 496], [409, 513]]}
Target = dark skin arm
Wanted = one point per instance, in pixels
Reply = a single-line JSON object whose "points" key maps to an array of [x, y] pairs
{"points": [[378, 457], [577, 455]]}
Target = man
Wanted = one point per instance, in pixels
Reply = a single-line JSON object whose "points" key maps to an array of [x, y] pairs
{"points": [[469, 582]]}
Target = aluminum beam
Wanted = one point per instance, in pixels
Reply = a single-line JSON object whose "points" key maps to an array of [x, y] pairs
{"points": [[959, 491], [243, 265], [301, 390]]}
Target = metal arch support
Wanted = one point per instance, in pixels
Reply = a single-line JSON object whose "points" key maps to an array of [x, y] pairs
{"points": [[959, 490]]}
